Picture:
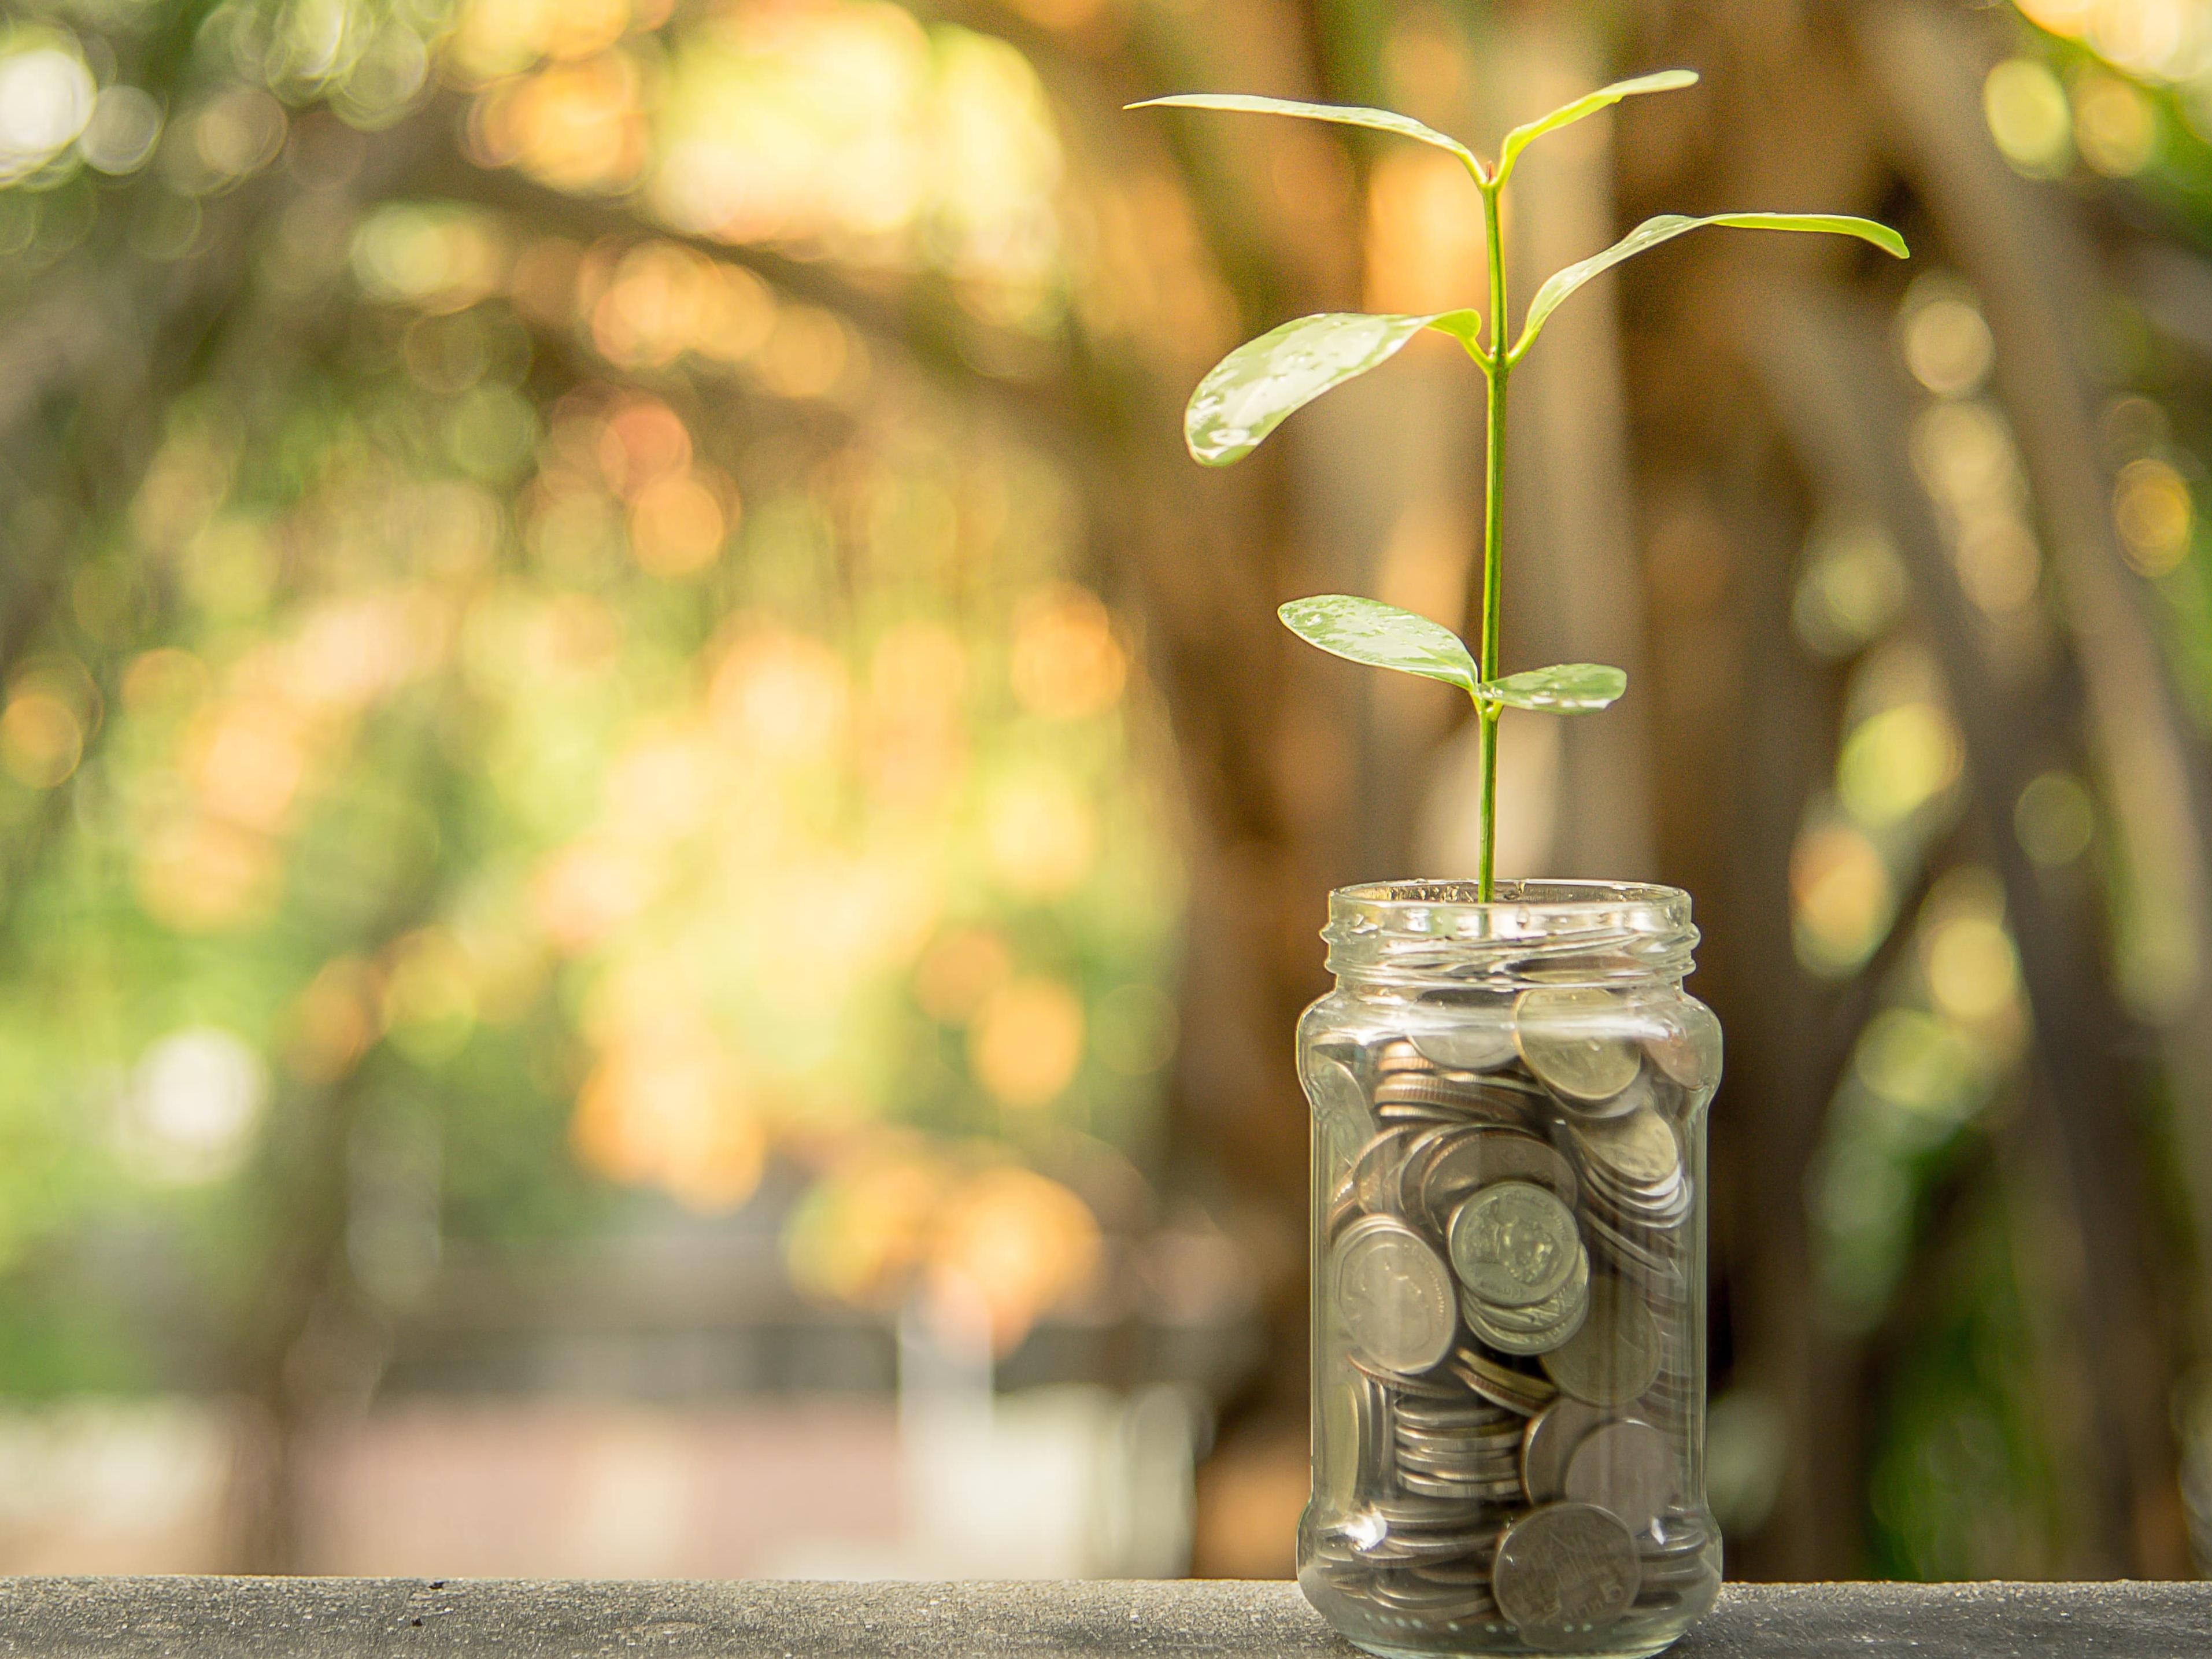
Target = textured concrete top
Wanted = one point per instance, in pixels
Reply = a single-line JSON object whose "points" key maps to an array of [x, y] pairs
{"points": [[338, 1618]]}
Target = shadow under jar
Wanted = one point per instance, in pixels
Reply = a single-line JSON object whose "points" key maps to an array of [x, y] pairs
{"points": [[1509, 1271]]}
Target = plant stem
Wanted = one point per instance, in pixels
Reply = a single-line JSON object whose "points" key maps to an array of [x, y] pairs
{"points": [[1493, 506]]}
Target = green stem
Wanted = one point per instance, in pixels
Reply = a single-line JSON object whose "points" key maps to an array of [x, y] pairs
{"points": [[1494, 507]]}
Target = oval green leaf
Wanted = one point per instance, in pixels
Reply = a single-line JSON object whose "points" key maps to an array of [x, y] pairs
{"points": [[1249, 393], [1667, 226], [1342, 115], [1589, 104], [1382, 636], [1566, 687]]}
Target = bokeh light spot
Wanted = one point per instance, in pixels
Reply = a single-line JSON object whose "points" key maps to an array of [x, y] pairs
{"points": [[332, 1022], [1843, 898], [2152, 508], [1948, 346], [781, 694], [40, 739], [1042, 836], [46, 97], [1027, 1042], [676, 525], [1019, 1242], [2054, 819], [2027, 113], [1972, 973], [2114, 127], [959, 971], [125, 121], [1066, 662], [667, 1110], [1896, 762], [194, 1102]]}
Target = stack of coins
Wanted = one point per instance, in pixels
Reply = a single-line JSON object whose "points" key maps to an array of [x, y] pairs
{"points": [[1508, 1298]]}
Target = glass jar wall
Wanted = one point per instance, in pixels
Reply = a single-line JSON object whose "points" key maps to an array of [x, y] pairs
{"points": [[1509, 1243]]}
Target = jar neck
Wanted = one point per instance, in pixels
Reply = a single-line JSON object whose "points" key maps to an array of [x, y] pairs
{"points": [[1417, 935]]}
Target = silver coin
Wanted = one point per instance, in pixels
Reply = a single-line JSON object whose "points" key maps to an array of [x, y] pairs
{"points": [[1687, 1045], [1651, 1211], [1398, 1055], [1411, 1516], [1514, 1243], [1394, 1294], [1468, 1047], [1457, 1459], [1334, 1091], [1355, 1432], [1641, 1090], [1655, 1203], [1476, 1100], [1548, 1442], [1639, 1150], [1446, 1463], [1378, 1172], [1677, 1534], [1463, 1415], [1342, 1438], [1497, 1433], [1560, 1318], [1628, 1467], [1655, 1268], [1564, 1572], [1496, 1489], [1517, 1391], [1443, 1604], [1614, 1357], [1408, 1386], [1538, 1315], [1467, 1160], [1570, 1037], [1468, 1570]]}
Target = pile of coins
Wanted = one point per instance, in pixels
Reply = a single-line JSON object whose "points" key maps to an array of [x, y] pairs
{"points": [[1507, 1296]]}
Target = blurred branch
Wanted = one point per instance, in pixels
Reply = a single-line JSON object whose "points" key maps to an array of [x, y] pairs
{"points": [[917, 320]]}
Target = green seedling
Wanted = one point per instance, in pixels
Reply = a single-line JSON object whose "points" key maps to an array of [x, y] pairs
{"points": [[1251, 390]]}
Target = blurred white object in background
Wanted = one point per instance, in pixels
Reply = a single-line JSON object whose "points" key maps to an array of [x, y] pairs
{"points": [[114, 1486], [1070, 1480], [192, 1106], [951, 1480]]}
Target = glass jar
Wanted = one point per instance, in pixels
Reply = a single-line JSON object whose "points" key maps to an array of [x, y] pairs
{"points": [[1509, 1271]]}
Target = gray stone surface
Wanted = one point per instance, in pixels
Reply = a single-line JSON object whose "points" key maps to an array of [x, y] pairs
{"points": [[339, 1617]]}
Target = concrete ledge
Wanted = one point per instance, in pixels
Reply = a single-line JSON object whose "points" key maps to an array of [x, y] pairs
{"points": [[340, 1618]]}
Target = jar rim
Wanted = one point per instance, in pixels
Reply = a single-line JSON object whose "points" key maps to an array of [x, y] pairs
{"points": [[1607, 930], [1566, 899]]}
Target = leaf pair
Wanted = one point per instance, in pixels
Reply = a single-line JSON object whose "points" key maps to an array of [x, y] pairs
{"points": [[1383, 636], [1256, 387], [1383, 120]]}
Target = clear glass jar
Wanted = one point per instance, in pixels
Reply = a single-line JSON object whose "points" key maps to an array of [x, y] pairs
{"points": [[1509, 1271]]}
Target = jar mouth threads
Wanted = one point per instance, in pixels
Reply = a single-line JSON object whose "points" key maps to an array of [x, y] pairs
{"points": [[1438, 932]]}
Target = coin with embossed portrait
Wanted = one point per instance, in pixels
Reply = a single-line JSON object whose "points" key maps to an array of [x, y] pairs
{"points": [[1514, 1243], [1394, 1294]]}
